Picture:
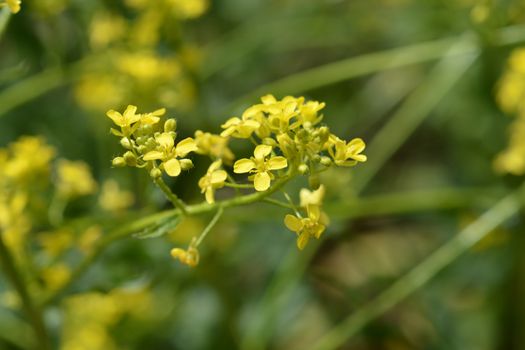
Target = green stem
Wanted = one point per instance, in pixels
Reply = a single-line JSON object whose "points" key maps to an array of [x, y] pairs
{"points": [[211, 224], [421, 274], [278, 203], [232, 185], [177, 202], [30, 308]]}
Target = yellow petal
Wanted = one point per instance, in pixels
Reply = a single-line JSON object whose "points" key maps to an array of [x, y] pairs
{"points": [[319, 229], [314, 212], [159, 112], [243, 166], [356, 146], [165, 140], [262, 151], [231, 122], [293, 223], [115, 116], [261, 181], [172, 167], [268, 99], [275, 163], [210, 198], [302, 240], [186, 146], [218, 176], [153, 155]]}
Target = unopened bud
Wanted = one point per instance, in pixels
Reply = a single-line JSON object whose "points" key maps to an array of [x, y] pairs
{"points": [[118, 162], [303, 168], [170, 125], [186, 164], [326, 161], [126, 143], [130, 158], [155, 173]]}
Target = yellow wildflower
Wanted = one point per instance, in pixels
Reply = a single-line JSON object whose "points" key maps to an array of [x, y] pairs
{"points": [[188, 257], [308, 197], [14, 5], [305, 228], [346, 154], [168, 153], [57, 242], [56, 276], [261, 165], [74, 179], [213, 145], [112, 198], [152, 117], [30, 159], [239, 128], [105, 29], [126, 119], [214, 179]]}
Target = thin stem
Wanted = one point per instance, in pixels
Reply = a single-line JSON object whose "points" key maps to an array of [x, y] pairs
{"points": [[176, 201], [278, 203], [211, 224], [421, 274], [292, 204], [232, 185], [30, 308], [232, 180]]}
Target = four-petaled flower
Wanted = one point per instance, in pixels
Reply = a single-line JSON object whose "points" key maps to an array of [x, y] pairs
{"points": [[153, 117], [261, 166], [125, 119], [346, 154], [168, 153], [240, 128], [311, 226], [214, 179]]}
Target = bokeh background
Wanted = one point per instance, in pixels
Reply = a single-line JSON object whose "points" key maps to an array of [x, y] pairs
{"points": [[434, 87]]}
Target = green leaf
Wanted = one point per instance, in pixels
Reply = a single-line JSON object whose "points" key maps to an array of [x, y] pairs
{"points": [[159, 229]]}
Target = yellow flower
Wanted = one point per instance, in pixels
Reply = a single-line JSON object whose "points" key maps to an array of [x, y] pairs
{"points": [[213, 145], [346, 154], [74, 179], [14, 5], [57, 242], [261, 165], [305, 228], [153, 117], [56, 276], [213, 180], [112, 198], [308, 112], [30, 159], [308, 197], [188, 257], [239, 128], [126, 119], [168, 153]]}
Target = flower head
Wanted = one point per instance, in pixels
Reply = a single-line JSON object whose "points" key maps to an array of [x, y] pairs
{"points": [[214, 179], [239, 128], [125, 119], [262, 165], [311, 226], [169, 154], [346, 154]]}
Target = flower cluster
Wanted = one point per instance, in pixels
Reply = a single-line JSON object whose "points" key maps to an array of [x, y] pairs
{"points": [[288, 140], [511, 91]]}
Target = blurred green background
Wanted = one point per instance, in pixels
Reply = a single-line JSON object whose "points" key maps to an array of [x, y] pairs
{"points": [[418, 80]]}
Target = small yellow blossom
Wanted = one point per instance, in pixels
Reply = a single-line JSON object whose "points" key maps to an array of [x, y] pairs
{"points": [[188, 257], [153, 117], [105, 29], [346, 154], [215, 146], [239, 128], [214, 179], [261, 165], [308, 197], [30, 159], [56, 276], [74, 179], [125, 119], [305, 228], [14, 5], [112, 198], [57, 242], [168, 153]]}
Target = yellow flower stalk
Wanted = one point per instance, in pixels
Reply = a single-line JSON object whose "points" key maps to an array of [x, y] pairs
{"points": [[214, 179], [261, 165]]}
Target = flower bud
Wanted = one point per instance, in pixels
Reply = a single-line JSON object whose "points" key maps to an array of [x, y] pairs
{"points": [[303, 168], [170, 125], [186, 164], [155, 173], [326, 161], [130, 158], [146, 129], [126, 143], [118, 162]]}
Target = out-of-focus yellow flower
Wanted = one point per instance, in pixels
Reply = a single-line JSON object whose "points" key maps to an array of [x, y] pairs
{"points": [[105, 29], [187, 9], [56, 276], [98, 91], [346, 154], [74, 179], [261, 165], [112, 198], [239, 128], [214, 179], [30, 159], [188, 257], [169, 154], [214, 146], [14, 5], [308, 197], [88, 239], [57, 242], [147, 66], [305, 228]]}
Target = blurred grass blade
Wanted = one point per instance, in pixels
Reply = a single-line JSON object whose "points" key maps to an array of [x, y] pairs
{"points": [[412, 113], [5, 14], [160, 229], [421, 274]]}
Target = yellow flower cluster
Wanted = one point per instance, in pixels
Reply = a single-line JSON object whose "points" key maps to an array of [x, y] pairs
{"points": [[511, 98], [14, 5], [289, 140]]}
